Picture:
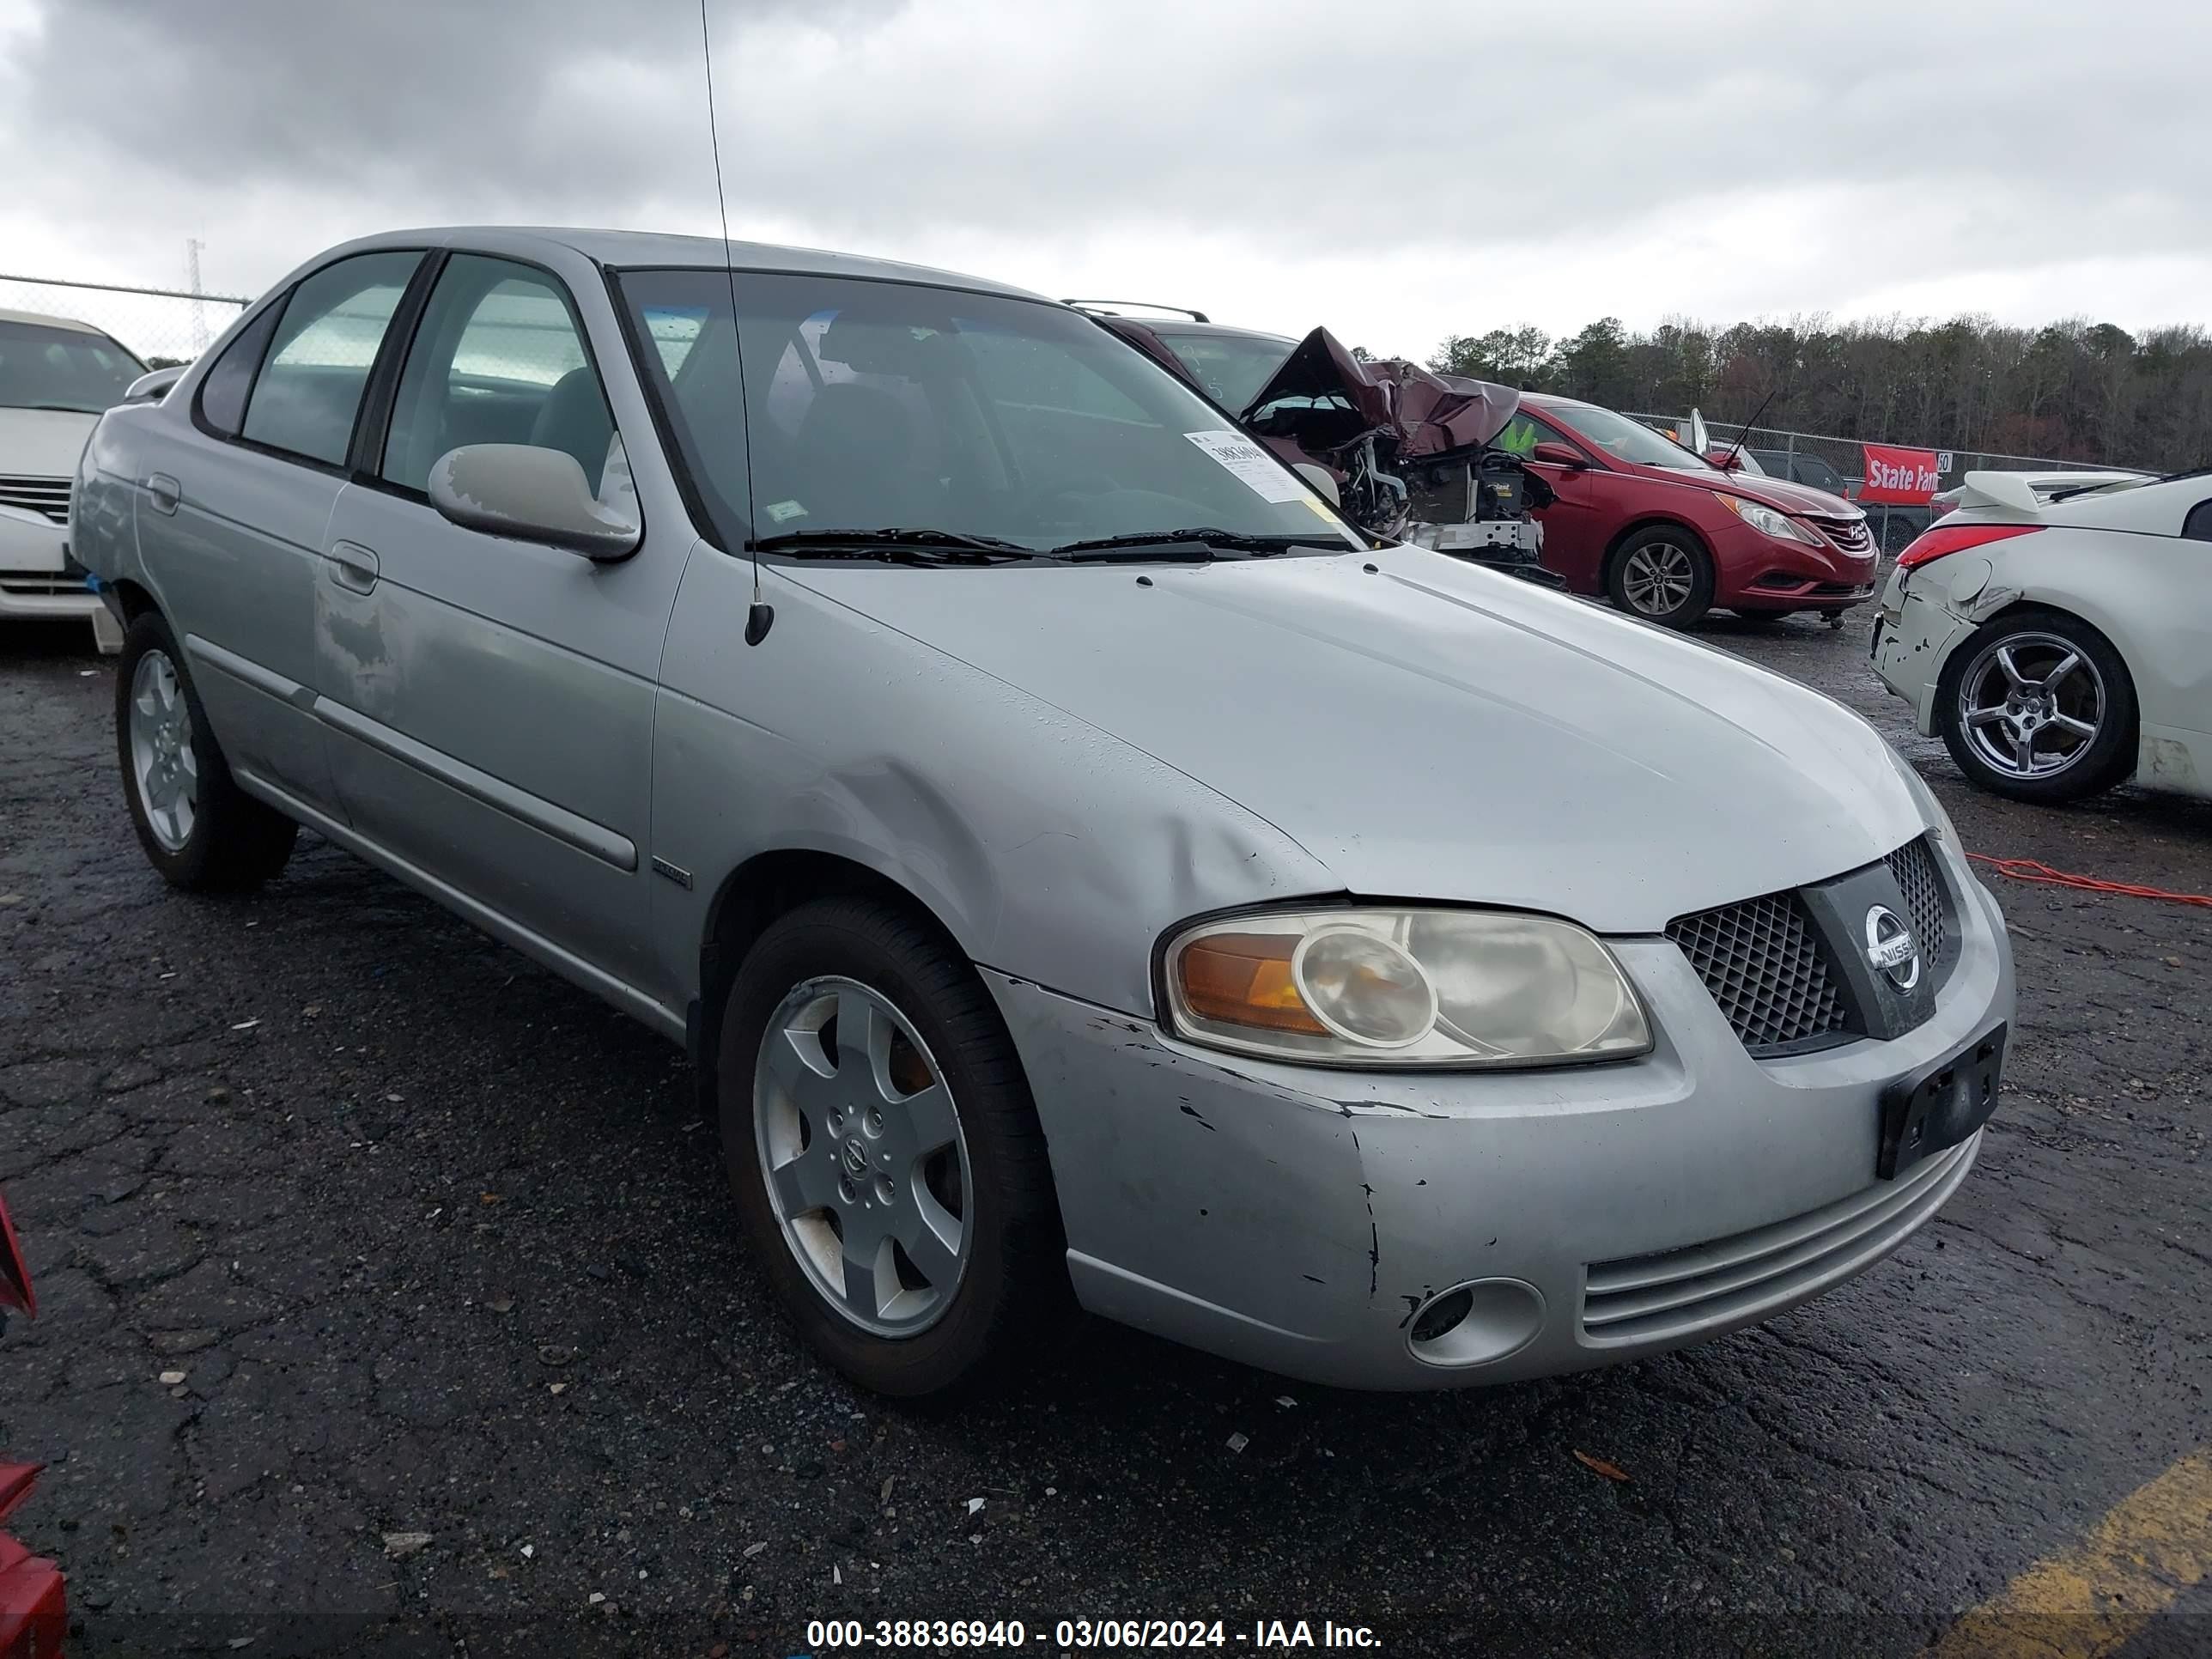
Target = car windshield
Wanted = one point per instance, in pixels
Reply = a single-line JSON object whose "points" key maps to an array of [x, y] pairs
{"points": [[1631, 441], [1232, 368], [977, 424], [42, 367]]}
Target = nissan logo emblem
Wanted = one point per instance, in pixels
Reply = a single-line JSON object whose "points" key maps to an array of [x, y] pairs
{"points": [[1891, 951]]}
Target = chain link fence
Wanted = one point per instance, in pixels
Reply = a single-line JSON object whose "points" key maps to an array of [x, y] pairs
{"points": [[1826, 461], [158, 324]]}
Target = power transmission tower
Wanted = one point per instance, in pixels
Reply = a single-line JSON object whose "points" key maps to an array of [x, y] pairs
{"points": [[192, 246]]}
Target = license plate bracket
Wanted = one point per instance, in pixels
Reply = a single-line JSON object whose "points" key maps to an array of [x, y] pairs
{"points": [[1940, 1105]]}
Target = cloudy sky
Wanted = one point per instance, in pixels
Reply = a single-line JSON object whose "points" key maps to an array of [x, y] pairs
{"points": [[1399, 172]]}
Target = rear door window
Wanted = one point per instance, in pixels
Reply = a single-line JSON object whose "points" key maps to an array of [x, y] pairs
{"points": [[308, 393]]}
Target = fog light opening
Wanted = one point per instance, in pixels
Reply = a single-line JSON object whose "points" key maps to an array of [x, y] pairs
{"points": [[1476, 1324], [1441, 1314]]}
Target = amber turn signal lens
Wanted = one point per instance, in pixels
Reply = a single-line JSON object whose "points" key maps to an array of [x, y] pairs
{"points": [[1244, 979]]}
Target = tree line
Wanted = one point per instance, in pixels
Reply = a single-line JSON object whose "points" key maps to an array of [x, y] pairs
{"points": [[2073, 390]]}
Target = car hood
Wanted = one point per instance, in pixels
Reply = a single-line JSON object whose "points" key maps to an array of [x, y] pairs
{"points": [[43, 443], [1790, 497], [1430, 730]]}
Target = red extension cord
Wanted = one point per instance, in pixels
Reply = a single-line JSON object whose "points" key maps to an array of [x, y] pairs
{"points": [[2043, 875]]}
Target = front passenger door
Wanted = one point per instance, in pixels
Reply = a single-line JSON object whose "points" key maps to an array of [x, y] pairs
{"points": [[488, 702], [1579, 523]]}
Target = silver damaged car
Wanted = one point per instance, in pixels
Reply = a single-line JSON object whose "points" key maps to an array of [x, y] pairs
{"points": [[1084, 872]]}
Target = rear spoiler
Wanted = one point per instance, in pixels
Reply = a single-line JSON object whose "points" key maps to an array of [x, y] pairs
{"points": [[1999, 492]]}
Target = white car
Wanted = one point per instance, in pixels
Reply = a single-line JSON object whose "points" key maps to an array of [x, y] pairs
{"points": [[2061, 647], [57, 375]]}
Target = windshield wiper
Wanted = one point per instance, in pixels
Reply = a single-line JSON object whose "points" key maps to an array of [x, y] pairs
{"points": [[1168, 541], [899, 544]]}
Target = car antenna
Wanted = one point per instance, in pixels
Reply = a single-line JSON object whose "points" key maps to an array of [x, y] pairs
{"points": [[1743, 432], [759, 617]]}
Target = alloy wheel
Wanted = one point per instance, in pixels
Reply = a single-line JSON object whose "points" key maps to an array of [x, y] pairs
{"points": [[862, 1150], [2031, 705], [1657, 578], [163, 765]]}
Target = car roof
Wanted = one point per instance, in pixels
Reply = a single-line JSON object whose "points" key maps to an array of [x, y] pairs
{"points": [[634, 249], [1184, 326], [44, 321]]}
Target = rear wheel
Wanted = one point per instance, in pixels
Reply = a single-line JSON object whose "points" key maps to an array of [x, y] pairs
{"points": [[199, 828], [2039, 706], [885, 1155], [1663, 575]]}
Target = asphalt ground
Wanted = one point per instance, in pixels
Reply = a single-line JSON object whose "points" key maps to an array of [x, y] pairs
{"points": [[438, 1246]]}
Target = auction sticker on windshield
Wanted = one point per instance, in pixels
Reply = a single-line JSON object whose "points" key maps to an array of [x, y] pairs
{"points": [[1262, 472]]}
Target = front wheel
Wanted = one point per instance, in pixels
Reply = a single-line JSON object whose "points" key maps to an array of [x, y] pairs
{"points": [[886, 1155], [1662, 574], [199, 828], [2039, 706]]}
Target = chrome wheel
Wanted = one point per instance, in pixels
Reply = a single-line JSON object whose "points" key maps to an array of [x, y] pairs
{"points": [[163, 768], [1657, 578], [861, 1150], [2030, 705]]}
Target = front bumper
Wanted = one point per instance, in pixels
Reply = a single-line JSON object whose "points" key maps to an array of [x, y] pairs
{"points": [[36, 577], [1758, 572], [1294, 1218]]}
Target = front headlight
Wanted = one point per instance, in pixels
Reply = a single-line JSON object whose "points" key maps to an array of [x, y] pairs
{"points": [[1767, 521], [1456, 988]]}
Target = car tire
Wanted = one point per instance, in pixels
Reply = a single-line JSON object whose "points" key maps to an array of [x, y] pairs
{"points": [[1662, 574], [860, 1177], [200, 830], [2022, 677]]}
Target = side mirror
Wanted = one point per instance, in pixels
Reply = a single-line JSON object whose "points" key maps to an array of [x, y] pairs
{"points": [[531, 495], [1559, 455], [1322, 480], [153, 384], [1723, 456]]}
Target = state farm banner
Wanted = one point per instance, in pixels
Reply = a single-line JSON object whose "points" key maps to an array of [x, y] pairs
{"points": [[1901, 476]]}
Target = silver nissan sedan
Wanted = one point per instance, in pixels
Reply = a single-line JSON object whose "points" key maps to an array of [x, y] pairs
{"points": [[1084, 872]]}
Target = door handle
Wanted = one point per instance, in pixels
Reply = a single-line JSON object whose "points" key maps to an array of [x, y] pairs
{"points": [[354, 567], [164, 492]]}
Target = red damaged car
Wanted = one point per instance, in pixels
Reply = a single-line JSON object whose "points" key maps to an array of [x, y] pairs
{"points": [[1666, 534], [32, 1615]]}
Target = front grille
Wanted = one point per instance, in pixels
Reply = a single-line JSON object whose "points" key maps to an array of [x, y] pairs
{"points": [[1763, 965], [47, 497], [41, 587], [1928, 902], [1849, 534], [1730, 1281]]}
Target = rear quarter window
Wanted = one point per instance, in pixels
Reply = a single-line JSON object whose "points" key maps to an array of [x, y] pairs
{"points": [[224, 387]]}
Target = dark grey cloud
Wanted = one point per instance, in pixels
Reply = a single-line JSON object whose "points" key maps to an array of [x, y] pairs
{"points": [[1676, 151]]}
